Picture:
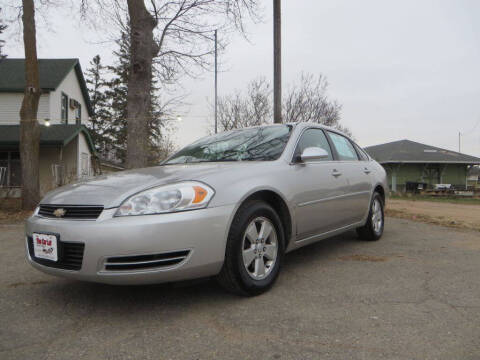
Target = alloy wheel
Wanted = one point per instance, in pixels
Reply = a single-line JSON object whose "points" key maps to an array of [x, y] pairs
{"points": [[377, 216], [259, 248]]}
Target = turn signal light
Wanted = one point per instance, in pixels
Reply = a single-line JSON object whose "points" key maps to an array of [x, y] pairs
{"points": [[200, 194]]}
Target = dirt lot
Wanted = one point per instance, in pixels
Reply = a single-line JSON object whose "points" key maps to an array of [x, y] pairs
{"points": [[441, 213], [10, 211], [412, 295]]}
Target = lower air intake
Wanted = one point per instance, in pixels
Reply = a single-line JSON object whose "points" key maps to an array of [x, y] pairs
{"points": [[141, 262]]}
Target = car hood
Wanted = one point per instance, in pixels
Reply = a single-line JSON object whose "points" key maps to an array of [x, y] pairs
{"points": [[112, 189]]}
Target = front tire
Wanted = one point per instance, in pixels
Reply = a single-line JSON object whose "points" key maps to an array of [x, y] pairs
{"points": [[373, 229], [254, 251]]}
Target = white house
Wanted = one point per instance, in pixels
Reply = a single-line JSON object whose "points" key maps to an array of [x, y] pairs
{"points": [[66, 148]]}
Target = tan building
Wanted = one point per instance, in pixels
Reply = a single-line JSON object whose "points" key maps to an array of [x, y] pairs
{"points": [[410, 164]]}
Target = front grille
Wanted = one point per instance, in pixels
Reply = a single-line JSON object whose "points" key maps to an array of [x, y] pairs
{"points": [[70, 255], [139, 262], [71, 211]]}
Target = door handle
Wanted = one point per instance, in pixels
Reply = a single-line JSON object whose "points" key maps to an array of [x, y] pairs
{"points": [[336, 173], [366, 171]]}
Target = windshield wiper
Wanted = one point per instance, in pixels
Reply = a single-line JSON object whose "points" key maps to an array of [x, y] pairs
{"points": [[225, 159], [208, 161]]}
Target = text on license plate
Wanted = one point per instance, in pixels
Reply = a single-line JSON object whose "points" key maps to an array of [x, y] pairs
{"points": [[45, 246]]}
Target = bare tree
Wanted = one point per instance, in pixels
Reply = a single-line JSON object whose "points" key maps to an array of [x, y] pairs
{"points": [[306, 100], [165, 148], [2, 42], [242, 110], [174, 36], [29, 127]]}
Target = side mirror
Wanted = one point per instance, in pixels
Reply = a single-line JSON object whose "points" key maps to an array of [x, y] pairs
{"points": [[313, 153]]}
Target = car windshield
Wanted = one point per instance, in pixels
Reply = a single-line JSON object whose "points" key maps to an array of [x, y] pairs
{"points": [[252, 144]]}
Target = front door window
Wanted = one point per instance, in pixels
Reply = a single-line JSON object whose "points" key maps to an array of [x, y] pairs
{"points": [[313, 138]]}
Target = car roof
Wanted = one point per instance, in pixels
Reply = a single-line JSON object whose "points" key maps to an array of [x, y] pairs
{"points": [[300, 124], [305, 124]]}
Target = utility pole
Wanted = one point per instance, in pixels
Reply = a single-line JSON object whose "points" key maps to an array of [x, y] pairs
{"points": [[277, 62], [216, 73]]}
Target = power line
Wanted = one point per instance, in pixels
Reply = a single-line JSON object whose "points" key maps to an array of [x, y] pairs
{"points": [[473, 129], [460, 134]]}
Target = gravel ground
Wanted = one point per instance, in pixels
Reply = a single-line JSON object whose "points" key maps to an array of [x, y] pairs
{"points": [[412, 295], [440, 213]]}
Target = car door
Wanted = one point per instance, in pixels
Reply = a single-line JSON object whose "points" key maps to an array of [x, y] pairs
{"points": [[319, 188], [357, 176]]}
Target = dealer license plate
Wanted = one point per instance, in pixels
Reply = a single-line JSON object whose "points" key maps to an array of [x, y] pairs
{"points": [[45, 246]]}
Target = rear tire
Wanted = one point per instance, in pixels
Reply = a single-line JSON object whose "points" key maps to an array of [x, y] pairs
{"points": [[254, 251], [373, 229]]}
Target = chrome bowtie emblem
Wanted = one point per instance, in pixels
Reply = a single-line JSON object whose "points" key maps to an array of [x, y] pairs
{"points": [[60, 212]]}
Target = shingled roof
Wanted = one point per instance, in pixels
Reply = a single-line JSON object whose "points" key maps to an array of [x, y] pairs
{"points": [[407, 151], [59, 134], [51, 73]]}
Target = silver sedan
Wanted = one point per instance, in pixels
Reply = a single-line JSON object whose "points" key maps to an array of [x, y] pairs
{"points": [[229, 206]]}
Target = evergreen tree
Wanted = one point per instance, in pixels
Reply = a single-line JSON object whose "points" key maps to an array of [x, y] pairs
{"points": [[116, 98], [99, 122]]}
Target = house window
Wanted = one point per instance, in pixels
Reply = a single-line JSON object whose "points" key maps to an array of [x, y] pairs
{"points": [[64, 108], [78, 114], [10, 170]]}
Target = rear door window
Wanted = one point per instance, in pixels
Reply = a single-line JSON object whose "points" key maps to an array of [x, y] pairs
{"points": [[343, 146], [361, 153]]}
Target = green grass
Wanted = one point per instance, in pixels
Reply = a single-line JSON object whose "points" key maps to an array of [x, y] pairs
{"points": [[441, 199]]}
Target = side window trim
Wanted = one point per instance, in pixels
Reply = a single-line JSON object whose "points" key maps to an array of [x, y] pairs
{"points": [[362, 155], [335, 155], [332, 148]]}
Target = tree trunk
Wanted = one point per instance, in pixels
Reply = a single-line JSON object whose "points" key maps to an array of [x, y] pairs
{"points": [[143, 49], [29, 127]]}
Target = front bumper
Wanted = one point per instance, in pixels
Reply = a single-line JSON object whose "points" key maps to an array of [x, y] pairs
{"points": [[202, 232]]}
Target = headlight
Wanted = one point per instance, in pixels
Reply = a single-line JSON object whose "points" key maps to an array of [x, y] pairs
{"points": [[166, 199]]}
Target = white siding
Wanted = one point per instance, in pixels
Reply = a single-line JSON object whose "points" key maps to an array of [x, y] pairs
{"points": [[49, 106], [69, 159], [83, 151], [48, 157], [10, 104], [71, 87]]}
